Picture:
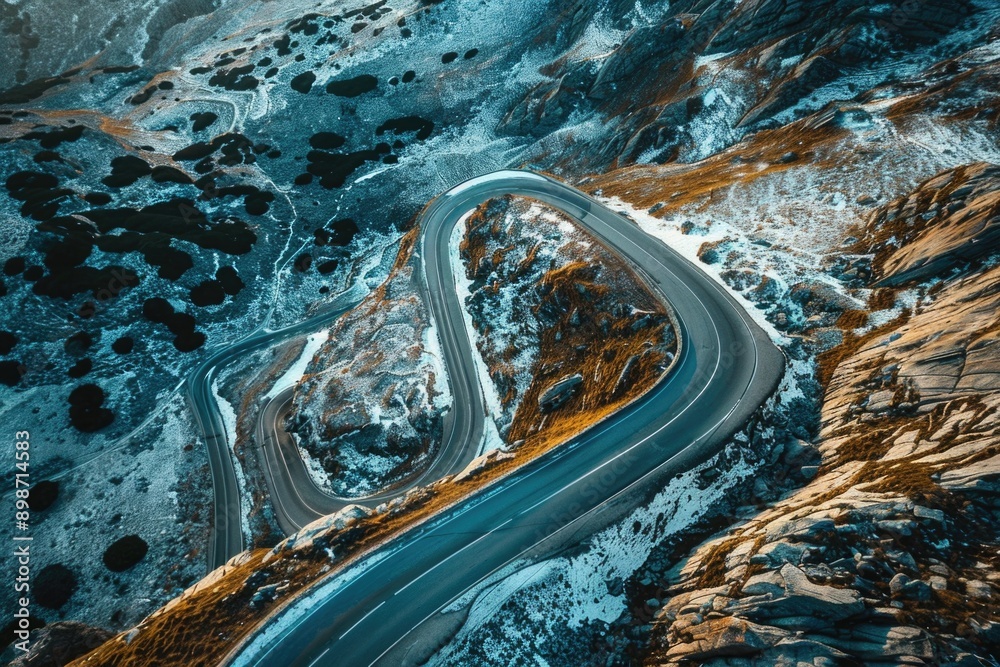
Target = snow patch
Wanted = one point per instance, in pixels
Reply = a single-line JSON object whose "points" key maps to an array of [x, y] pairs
{"points": [[668, 231], [295, 372], [491, 435], [598, 41]]}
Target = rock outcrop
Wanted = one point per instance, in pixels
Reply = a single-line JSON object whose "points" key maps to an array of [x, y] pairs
{"points": [[369, 408], [560, 391], [306, 537], [890, 554], [950, 222]]}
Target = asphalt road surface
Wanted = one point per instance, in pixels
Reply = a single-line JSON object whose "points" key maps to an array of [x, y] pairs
{"points": [[227, 534], [380, 612]]}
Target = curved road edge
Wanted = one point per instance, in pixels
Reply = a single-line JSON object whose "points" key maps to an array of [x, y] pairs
{"points": [[297, 498], [725, 373], [228, 538]]}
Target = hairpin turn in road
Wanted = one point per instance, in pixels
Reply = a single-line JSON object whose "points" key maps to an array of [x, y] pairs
{"points": [[727, 368]]}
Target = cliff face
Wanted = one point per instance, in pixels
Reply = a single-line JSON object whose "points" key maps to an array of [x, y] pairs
{"points": [[891, 552]]}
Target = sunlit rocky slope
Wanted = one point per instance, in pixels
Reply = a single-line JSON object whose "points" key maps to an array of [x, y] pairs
{"points": [[178, 176]]}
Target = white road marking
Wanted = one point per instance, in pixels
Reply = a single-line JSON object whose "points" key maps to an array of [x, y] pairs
{"points": [[440, 563], [520, 479], [633, 484], [319, 657], [360, 620]]}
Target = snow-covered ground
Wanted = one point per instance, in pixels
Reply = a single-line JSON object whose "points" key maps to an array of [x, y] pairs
{"points": [[494, 409], [368, 407], [786, 229], [152, 486], [294, 374]]}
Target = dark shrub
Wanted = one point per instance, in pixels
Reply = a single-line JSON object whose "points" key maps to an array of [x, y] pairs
{"points": [[54, 586], [125, 553], [42, 495]]}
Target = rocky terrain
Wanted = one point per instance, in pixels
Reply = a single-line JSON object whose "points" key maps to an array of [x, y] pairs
{"points": [[164, 200], [861, 228], [403, 365], [890, 553], [864, 536], [47, 38], [167, 197], [942, 229], [566, 330], [368, 410]]}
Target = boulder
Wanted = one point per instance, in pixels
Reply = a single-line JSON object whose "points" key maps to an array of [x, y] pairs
{"points": [[978, 590], [306, 537], [725, 637], [556, 395], [481, 462], [792, 594], [880, 643], [802, 528], [902, 587], [933, 235]]}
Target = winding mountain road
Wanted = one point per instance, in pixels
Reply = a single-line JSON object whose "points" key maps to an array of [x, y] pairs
{"points": [[383, 611], [297, 499], [227, 534]]}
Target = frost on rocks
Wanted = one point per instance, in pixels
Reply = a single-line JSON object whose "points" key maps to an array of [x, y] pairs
{"points": [[368, 409], [512, 327]]}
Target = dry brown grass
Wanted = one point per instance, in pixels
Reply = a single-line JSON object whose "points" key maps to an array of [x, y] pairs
{"points": [[574, 287], [198, 629], [761, 154], [713, 569], [948, 99], [203, 627], [869, 444], [882, 298], [852, 319], [601, 366], [906, 218]]}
